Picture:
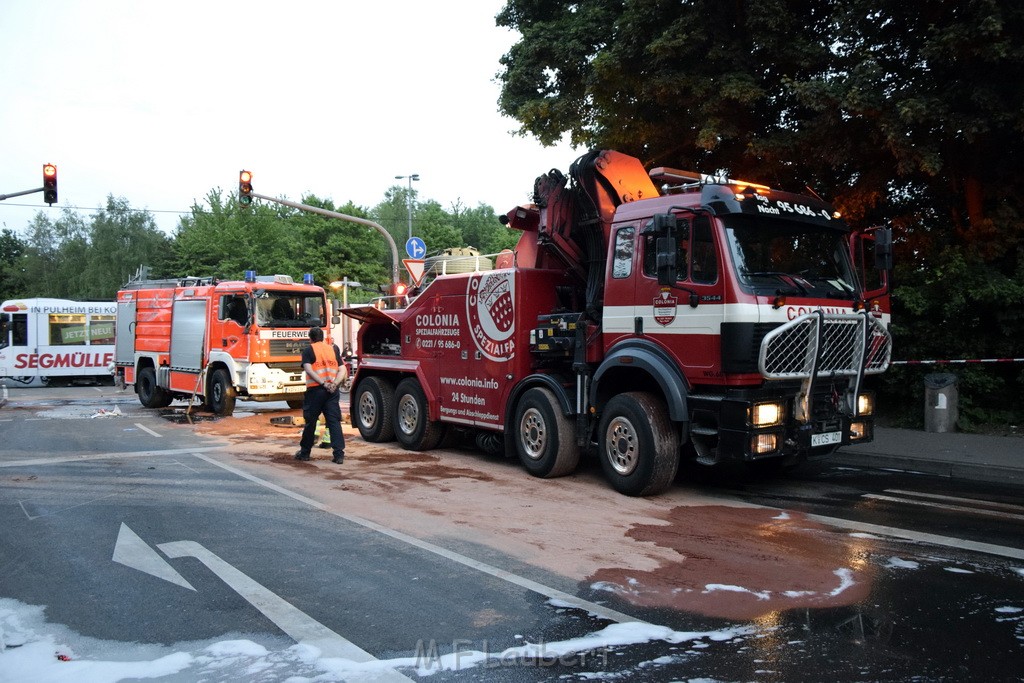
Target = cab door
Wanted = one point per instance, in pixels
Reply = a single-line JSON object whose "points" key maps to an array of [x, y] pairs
{"points": [[680, 292]]}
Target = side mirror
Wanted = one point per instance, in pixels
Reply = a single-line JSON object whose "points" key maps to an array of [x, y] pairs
{"points": [[871, 253], [883, 249], [663, 222], [666, 260]]}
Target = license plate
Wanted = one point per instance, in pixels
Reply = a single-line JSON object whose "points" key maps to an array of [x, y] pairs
{"points": [[826, 439], [295, 389]]}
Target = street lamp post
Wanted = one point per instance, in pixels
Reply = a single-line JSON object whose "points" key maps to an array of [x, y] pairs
{"points": [[411, 177]]}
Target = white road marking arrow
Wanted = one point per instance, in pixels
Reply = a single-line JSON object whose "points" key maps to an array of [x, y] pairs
{"points": [[132, 551]]}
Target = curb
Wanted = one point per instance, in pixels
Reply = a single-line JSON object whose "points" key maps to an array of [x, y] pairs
{"points": [[995, 474]]}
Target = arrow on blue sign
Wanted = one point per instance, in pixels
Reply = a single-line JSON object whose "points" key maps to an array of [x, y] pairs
{"points": [[415, 247]]}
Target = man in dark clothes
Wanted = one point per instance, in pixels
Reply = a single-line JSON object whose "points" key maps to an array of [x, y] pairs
{"points": [[324, 374]]}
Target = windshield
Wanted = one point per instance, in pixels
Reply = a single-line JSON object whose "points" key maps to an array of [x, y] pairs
{"points": [[283, 309], [797, 259]]}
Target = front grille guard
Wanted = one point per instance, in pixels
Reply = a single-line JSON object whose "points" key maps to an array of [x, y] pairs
{"points": [[822, 345]]}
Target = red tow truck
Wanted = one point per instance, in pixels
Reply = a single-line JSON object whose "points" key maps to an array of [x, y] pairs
{"points": [[709, 319]]}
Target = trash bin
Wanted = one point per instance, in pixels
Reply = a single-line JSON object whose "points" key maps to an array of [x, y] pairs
{"points": [[940, 402]]}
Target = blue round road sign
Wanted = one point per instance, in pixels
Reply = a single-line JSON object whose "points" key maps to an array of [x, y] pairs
{"points": [[415, 247]]}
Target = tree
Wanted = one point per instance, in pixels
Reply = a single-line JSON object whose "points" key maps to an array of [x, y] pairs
{"points": [[120, 240], [393, 213], [480, 228], [225, 239], [51, 264], [12, 252], [333, 248], [909, 114], [872, 103]]}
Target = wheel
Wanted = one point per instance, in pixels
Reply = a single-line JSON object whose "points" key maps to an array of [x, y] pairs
{"points": [[295, 403], [221, 396], [639, 449], [544, 435], [150, 394], [372, 407], [413, 428]]}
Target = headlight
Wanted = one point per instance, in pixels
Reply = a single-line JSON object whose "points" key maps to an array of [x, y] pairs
{"points": [[866, 404], [859, 431], [764, 443], [766, 414]]}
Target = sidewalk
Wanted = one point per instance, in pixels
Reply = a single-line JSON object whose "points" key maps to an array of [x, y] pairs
{"points": [[978, 457]]}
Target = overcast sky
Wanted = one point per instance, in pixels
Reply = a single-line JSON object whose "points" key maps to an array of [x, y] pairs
{"points": [[161, 102]]}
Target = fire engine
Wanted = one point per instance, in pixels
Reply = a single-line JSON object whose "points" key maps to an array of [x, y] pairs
{"points": [[711, 319], [215, 340], [56, 340]]}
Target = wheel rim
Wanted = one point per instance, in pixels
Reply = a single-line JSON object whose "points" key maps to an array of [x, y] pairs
{"points": [[532, 433], [367, 410], [621, 446], [408, 414]]}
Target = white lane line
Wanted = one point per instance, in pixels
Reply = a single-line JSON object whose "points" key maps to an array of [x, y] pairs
{"points": [[944, 506], [934, 539], [551, 593], [955, 499], [148, 430], [103, 456]]}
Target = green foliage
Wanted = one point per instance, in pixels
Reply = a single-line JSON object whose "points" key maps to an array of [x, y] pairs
{"points": [[901, 113], [973, 309], [12, 251], [71, 258], [331, 248], [224, 239], [120, 239]]}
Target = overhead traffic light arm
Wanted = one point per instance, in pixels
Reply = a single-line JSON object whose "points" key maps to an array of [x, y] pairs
{"points": [[49, 188], [246, 195]]}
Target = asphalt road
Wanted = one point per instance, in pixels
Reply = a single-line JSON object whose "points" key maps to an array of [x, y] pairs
{"points": [[132, 528]]}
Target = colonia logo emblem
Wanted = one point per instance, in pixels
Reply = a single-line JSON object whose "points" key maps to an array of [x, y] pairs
{"points": [[490, 309], [664, 308]]}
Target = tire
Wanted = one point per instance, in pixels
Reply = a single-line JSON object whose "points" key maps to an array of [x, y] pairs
{"points": [[372, 407], [638, 446], [295, 403], [150, 394], [544, 435], [221, 394], [412, 426]]}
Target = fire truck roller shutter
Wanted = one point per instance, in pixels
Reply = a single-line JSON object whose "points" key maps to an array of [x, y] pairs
{"points": [[645, 357], [188, 334]]}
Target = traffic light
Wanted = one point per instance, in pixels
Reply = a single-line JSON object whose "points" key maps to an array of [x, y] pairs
{"points": [[49, 184], [245, 187], [400, 289]]}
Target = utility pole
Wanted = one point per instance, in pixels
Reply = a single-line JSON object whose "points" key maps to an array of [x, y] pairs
{"points": [[408, 197]]}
